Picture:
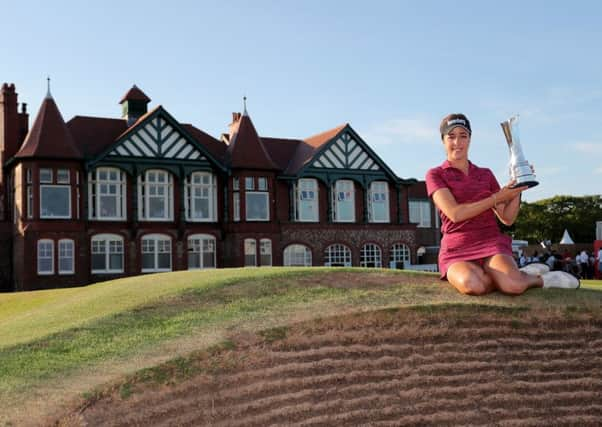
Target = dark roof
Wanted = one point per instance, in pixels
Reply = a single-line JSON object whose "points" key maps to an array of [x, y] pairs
{"points": [[134, 94], [246, 151], [93, 135], [49, 136], [281, 150], [215, 147], [307, 149]]}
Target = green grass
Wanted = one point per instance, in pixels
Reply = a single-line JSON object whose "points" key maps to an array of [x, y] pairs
{"points": [[47, 336]]}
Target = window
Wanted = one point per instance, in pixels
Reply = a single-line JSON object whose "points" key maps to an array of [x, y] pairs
{"points": [[45, 257], [107, 254], [55, 199], [62, 176], [201, 197], [249, 183], [201, 251], [236, 205], [420, 213], [371, 256], [46, 176], [400, 256], [107, 194], [306, 200], [156, 253], [235, 183], [297, 256], [257, 206], [66, 256], [378, 201], [250, 253], [262, 183], [343, 200], [29, 195], [155, 196], [337, 255], [265, 252]]}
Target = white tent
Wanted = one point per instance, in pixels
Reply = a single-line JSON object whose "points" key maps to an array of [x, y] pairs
{"points": [[566, 238]]}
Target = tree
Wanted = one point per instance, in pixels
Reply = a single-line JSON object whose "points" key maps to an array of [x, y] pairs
{"points": [[546, 219]]}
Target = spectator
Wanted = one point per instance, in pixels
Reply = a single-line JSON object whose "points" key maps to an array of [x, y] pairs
{"points": [[599, 263], [583, 262]]}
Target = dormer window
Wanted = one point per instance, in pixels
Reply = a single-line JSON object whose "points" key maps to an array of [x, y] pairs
{"points": [[55, 194]]}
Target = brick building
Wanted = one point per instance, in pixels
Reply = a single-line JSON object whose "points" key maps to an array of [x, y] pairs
{"points": [[97, 198]]}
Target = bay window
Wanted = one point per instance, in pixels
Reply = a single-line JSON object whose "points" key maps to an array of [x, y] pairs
{"points": [[155, 196], [201, 197], [55, 194], [107, 194]]}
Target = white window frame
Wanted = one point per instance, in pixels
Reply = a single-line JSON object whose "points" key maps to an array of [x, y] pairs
{"points": [[266, 196], [342, 186], [250, 183], [337, 253], [49, 178], [202, 238], [265, 251], [422, 208], [39, 257], [61, 186], [262, 183], [306, 194], [371, 254], [107, 239], [190, 197], [63, 176], [159, 240], [295, 252], [378, 196], [247, 252], [95, 183], [144, 188], [66, 251], [236, 206], [400, 252]]}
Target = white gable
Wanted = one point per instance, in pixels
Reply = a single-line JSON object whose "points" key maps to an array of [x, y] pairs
{"points": [[346, 153], [157, 139]]}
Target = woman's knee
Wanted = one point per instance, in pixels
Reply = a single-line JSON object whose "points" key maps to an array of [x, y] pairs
{"points": [[474, 284], [512, 286]]}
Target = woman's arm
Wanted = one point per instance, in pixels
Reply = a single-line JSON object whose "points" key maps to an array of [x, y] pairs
{"points": [[457, 212], [508, 211]]}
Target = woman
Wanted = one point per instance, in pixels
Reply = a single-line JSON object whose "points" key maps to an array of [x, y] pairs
{"points": [[475, 257]]}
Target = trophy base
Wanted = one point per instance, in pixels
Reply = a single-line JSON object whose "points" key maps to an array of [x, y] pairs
{"points": [[529, 184]]}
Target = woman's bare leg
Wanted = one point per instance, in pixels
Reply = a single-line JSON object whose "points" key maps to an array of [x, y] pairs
{"points": [[506, 276], [469, 278]]}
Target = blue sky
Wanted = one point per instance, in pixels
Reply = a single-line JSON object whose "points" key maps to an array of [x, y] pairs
{"points": [[392, 69]]}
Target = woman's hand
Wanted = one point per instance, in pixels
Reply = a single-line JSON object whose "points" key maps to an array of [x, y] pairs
{"points": [[507, 193]]}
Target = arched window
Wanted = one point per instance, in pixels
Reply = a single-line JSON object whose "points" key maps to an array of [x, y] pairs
{"points": [[265, 252], [156, 253], [306, 200], [343, 201], [378, 201], [371, 256], [107, 254], [201, 197], [45, 257], [400, 255], [155, 196], [107, 194], [297, 256], [201, 251], [66, 264], [337, 255], [250, 253]]}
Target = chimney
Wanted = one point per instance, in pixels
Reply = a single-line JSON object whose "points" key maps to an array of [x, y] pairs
{"points": [[9, 123], [234, 125], [23, 125]]}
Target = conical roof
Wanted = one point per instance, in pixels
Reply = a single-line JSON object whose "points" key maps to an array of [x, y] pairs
{"points": [[566, 238], [246, 150], [49, 135]]}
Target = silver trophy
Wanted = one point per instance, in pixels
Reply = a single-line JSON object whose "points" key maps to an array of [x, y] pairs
{"points": [[520, 169]]}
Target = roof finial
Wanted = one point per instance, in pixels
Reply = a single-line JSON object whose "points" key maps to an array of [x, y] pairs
{"points": [[244, 100], [48, 94]]}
